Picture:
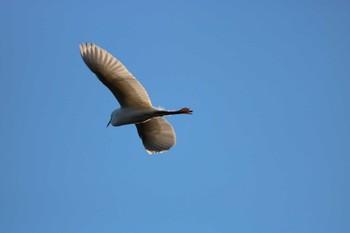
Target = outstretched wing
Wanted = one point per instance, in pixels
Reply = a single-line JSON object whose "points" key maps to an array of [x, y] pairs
{"points": [[112, 73], [157, 135]]}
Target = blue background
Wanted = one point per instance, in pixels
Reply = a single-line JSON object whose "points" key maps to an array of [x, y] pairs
{"points": [[266, 150]]}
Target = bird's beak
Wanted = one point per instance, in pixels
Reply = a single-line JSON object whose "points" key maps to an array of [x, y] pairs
{"points": [[109, 122]]}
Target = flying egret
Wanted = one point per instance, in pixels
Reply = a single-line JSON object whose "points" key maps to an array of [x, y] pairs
{"points": [[135, 105]]}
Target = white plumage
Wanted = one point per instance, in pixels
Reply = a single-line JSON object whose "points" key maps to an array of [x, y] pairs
{"points": [[136, 108]]}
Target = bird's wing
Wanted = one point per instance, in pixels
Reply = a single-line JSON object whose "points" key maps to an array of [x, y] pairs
{"points": [[157, 135], [112, 73]]}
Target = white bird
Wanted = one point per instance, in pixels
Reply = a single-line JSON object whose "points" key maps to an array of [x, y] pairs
{"points": [[136, 108]]}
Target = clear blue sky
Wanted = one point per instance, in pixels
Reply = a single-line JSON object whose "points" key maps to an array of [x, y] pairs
{"points": [[267, 149]]}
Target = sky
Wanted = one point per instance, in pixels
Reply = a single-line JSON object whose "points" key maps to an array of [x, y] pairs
{"points": [[266, 150]]}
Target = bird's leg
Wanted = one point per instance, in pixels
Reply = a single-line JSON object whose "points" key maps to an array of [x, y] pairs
{"points": [[183, 111], [167, 113]]}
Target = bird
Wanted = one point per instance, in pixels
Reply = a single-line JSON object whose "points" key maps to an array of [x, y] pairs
{"points": [[156, 133]]}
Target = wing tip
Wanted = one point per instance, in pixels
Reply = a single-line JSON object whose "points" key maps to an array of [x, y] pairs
{"points": [[86, 46], [82, 48], [87, 51], [152, 152]]}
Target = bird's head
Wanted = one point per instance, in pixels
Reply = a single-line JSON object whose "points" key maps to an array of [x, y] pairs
{"points": [[114, 118]]}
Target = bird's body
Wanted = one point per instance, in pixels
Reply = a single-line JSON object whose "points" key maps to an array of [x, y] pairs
{"points": [[125, 116], [136, 108]]}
